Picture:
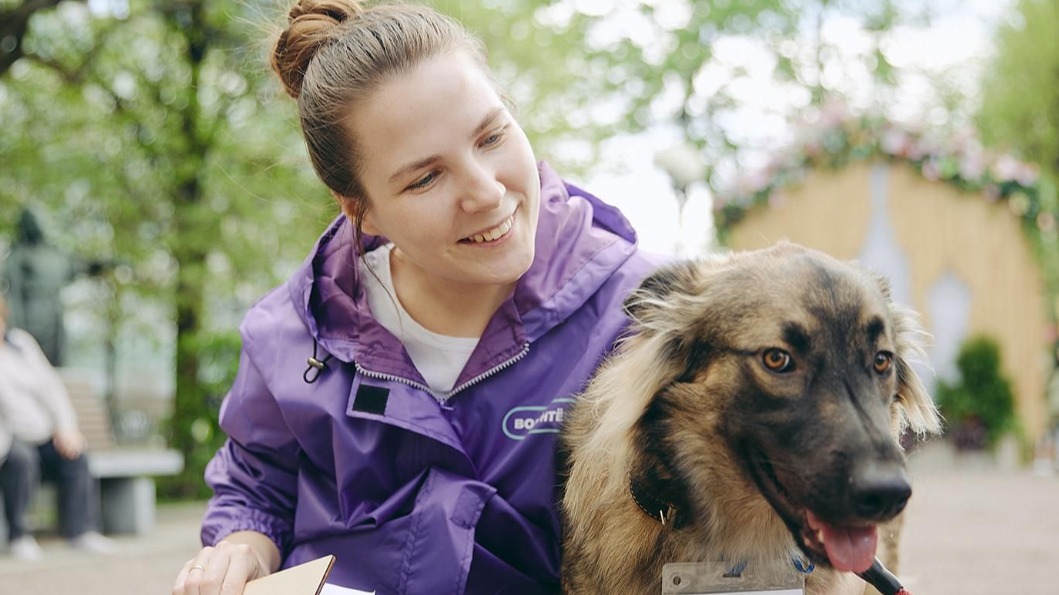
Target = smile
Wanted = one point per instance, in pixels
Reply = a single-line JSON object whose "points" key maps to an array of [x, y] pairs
{"points": [[493, 234]]}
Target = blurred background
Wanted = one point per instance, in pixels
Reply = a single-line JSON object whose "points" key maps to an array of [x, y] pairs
{"points": [[146, 148]]}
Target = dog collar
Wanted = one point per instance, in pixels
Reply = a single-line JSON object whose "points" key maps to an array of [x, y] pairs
{"points": [[657, 508]]}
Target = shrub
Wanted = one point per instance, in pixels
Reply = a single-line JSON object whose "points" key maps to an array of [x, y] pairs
{"points": [[980, 406]]}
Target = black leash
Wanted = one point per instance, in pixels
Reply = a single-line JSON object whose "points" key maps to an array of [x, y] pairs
{"points": [[883, 581]]}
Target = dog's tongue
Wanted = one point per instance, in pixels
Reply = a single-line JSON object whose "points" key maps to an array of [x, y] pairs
{"points": [[850, 549]]}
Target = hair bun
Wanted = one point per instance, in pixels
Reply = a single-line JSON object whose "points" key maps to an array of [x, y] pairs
{"points": [[310, 24]]}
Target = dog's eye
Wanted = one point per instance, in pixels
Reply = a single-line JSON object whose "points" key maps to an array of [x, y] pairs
{"points": [[777, 360], [884, 361]]}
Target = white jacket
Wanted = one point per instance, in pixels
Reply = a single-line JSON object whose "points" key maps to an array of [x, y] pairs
{"points": [[33, 400]]}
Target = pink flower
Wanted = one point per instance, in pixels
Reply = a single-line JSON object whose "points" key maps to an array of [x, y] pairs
{"points": [[896, 142], [931, 171], [1006, 168], [972, 166]]}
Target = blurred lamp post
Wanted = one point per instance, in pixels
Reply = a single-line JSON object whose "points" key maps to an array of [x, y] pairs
{"points": [[684, 166]]}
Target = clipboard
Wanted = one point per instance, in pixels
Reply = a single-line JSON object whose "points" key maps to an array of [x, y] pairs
{"points": [[303, 579]]}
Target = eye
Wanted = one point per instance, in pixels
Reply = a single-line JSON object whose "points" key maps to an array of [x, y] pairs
{"points": [[884, 362], [777, 360], [424, 181], [494, 138]]}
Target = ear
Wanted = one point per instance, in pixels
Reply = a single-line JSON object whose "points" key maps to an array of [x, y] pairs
{"points": [[352, 208], [652, 356], [917, 409], [660, 285]]}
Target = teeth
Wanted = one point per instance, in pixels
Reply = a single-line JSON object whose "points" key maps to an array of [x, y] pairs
{"points": [[493, 234]]}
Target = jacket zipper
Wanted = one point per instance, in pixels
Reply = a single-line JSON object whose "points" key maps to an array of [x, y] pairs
{"points": [[490, 371], [390, 378], [469, 383]]}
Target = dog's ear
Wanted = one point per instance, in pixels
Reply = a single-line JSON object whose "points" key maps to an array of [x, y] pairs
{"points": [[656, 306], [652, 355], [917, 409], [655, 289]]}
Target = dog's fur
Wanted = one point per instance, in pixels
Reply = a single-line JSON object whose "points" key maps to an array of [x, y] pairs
{"points": [[689, 407]]}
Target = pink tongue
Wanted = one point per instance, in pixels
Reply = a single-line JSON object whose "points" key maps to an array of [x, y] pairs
{"points": [[850, 549]]}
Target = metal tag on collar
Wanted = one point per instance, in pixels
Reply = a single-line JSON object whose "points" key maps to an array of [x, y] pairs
{"points": [[724, 578], [666, 516]]}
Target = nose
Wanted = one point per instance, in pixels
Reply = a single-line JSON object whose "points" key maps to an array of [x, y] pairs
{"points": [[879, 491], [482, 191]]}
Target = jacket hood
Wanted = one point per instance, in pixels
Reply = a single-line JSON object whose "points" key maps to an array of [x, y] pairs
{"points": [[580, 242]]}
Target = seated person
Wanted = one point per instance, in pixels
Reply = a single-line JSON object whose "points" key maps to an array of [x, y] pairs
{"points": [[35, 410]]}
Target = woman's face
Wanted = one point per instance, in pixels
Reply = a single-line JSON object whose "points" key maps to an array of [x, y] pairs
{"points": [[449, 175]]}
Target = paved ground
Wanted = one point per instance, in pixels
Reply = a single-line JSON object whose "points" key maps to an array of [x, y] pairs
{"points": [[972, 529]]}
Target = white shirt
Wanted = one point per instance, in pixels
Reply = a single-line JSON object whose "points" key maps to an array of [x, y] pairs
{"points": [[439, 358], [33, 400]]}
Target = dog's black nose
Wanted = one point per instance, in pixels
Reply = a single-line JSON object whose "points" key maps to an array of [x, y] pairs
{"points": [[880, 491]]}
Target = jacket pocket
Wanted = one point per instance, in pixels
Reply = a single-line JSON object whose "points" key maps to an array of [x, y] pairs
{"points": [[440, 541]]}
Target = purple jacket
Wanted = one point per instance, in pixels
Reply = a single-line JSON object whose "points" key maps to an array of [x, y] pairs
{"points": [[413, 496]]}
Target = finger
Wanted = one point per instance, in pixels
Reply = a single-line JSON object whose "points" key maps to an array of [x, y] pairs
{"points": [[67, 449], [194, 574], [214, 572], [68, 452], [243, 566], [181, 579]]}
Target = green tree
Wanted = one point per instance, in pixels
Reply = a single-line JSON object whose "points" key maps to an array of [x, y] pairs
{"points": [[14, 23], [157, 141], [1020, 99], [694, 66]]}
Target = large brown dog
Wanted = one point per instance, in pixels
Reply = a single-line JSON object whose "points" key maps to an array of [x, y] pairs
{"points": [[752, 415]]}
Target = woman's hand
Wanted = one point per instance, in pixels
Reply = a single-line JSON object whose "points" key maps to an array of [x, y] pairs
{"points": [[226, 568]]}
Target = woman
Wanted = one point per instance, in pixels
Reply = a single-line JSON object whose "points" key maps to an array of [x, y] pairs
{"points": [[461, 301]]}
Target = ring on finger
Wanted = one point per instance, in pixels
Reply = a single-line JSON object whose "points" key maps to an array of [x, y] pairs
{"points": [[197, 567]]}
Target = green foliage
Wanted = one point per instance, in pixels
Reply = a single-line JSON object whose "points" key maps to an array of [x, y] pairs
{"points": [[193, 427], [157, 140], [654, 64], [1020, 103], [982, 398]]}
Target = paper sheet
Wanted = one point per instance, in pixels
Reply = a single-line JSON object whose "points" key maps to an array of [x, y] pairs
{"points": [[330, 589], [304, 579]]}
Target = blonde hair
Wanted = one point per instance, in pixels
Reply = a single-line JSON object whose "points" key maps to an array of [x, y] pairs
{"points": [[336, 52]]}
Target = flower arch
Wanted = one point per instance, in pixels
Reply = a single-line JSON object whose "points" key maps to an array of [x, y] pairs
{"points": [[837, 141]]}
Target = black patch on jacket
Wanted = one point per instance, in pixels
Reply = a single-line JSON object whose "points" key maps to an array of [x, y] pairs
{"points": [[371, 399]]}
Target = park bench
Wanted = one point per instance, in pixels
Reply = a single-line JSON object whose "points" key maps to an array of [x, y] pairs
{"points": [[126, 475]]}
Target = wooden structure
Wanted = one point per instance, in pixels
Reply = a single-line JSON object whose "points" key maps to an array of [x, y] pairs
{"points": [[962, 261]]}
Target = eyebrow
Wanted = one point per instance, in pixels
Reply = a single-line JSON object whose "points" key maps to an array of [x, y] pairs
{"points": [[875, 328], [482, 126], [796, 336]]}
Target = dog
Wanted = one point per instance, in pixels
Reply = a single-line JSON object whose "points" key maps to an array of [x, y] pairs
{"points": [[752, 415]]}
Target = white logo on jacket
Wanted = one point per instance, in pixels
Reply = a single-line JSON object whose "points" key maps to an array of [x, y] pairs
{"points": [[521, 422]]}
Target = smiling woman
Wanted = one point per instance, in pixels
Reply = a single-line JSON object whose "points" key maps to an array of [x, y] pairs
{"points": [[449, 316], [471, 175]]}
